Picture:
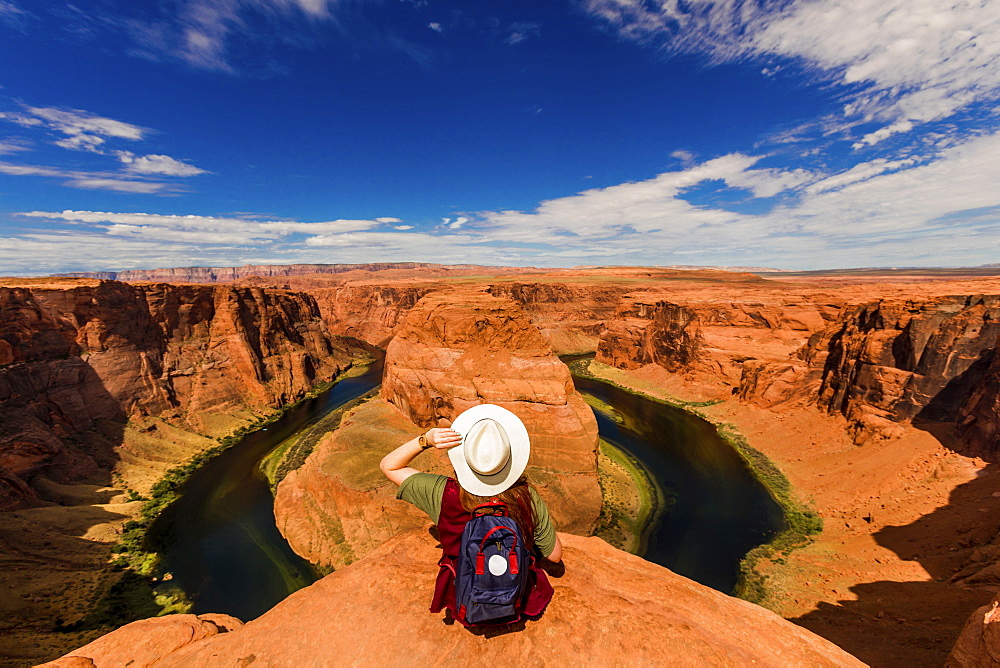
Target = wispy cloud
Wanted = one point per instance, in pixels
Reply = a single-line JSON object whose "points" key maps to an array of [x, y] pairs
{"points": [[902, 62], [13, 145], [79, 130], [13, 16], [156, 164], [89, 180]]}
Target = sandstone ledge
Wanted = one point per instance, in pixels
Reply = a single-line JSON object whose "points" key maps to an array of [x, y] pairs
{"points": [[610, 608]]}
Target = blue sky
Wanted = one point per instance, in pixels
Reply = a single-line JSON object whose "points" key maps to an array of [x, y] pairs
{"points": [[791, 134]]}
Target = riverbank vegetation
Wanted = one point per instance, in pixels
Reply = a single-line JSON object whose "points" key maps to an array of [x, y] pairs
{"points": [[801, 521], [142, 590], [630, 499]]}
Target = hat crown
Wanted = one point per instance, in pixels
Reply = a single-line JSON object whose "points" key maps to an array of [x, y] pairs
{"points": [[487, 449]]}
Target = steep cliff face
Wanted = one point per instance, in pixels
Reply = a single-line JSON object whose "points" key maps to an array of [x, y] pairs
{"points": [[712, 336], [609, 608], [890, 361], [570, 317], [979, 417], [372, 313], [644, 331], [82, 358]]}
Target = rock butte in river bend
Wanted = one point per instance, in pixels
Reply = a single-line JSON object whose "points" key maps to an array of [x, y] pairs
{"points": [[835, 376], [455, 350], [609, 608]]}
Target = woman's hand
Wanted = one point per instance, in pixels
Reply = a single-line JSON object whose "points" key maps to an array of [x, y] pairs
{"points": [[396, 464], [443, 439]]}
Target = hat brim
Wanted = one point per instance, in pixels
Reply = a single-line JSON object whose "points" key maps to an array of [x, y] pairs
{"points": [[520, 448]]}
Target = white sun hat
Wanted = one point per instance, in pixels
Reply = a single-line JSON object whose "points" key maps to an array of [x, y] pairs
{"points": [[494, 449]]}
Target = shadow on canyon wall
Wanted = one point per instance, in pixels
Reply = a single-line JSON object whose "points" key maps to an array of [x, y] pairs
{"points": [[59, 425], [909, 624]]}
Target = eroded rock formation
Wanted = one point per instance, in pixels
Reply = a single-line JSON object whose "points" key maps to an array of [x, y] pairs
{"points": [[457, 350], [570, 317], [978, 646], [609, 607], [712, 335], [884, 363], [979, 418], [82, 357]]}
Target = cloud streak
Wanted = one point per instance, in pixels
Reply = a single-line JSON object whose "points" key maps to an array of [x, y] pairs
{"points": [[902, 63]]}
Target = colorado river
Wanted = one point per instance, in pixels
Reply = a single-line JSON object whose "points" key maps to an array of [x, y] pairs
{"points": [[719, 511], [219, 539], [220, 542]]}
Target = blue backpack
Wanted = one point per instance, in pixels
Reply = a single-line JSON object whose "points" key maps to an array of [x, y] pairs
{"points": [[493, 567]]}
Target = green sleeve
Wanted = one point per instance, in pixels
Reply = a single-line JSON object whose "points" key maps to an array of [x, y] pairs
{"points": [[545, 534], [425, 491]]}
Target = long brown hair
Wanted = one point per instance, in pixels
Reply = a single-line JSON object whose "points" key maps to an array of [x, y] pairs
{"points": [[518, 500]]}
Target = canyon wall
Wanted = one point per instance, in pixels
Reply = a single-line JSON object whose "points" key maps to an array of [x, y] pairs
{"points": [[979, 417], [570, 316], [609, 608], [714, 336], [887, 362], [83, 357]]}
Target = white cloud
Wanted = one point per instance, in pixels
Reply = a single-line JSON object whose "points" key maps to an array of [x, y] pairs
{"points": [[88, 180], [205, 33], [120, 185], [13, 146], [915, 60], [436, 27], [157, 164], [83, 131], [859, 172]]}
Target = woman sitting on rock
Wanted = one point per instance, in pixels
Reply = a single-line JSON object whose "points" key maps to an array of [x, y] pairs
{"points": [[488, 447]]}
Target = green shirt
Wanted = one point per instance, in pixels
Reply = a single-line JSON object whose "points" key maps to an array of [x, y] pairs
{"points": [[426, 490]]}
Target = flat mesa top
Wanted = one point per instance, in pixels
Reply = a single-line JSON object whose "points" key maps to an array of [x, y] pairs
{"points": [[47, 282]]}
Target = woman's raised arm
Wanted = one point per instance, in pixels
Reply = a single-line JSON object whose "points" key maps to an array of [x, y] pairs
{"points": [[396, 464]]}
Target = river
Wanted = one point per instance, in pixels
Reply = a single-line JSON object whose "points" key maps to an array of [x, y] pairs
{"points": [[220, 543]]}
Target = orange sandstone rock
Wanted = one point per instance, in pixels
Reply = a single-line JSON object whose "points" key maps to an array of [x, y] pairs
{"points": [[457, 350], [609, 608], [145, 642]]}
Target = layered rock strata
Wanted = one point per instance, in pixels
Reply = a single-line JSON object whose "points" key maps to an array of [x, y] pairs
{"points": [[82, 358], [457, 350], [609, 607], [884, 363], [570, 317], [714, 337], [979, 418]]}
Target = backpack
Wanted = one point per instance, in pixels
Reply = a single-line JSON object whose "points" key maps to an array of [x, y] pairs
{"points": [[493, 568]]}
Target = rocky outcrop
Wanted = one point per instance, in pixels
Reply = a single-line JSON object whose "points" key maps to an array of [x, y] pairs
{"points": [[645, 331], [457, 350], [454, 351], [84, 357], [570, 317], [372, 313], [978, 646], [609, 607], [979, 418], [715, 337], [884, 363], [889, 361], [144, 642]]}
